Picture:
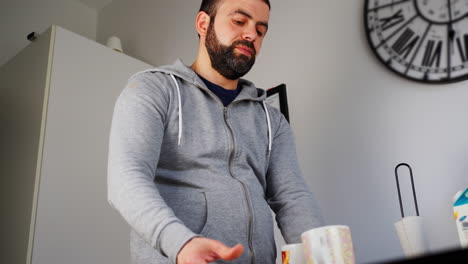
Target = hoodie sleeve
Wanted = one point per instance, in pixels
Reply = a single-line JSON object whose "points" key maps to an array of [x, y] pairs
{"points": [[287, 192], [134, 148]]}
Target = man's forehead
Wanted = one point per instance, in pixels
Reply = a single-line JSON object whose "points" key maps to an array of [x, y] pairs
{"points": [[255, 9]]}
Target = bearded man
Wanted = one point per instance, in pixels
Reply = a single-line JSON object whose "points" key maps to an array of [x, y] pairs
{"points": [[198, 160]]}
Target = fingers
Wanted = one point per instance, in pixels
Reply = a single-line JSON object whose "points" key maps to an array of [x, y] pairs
{"points": [[200, 250], [225, 252], [236, 252]]}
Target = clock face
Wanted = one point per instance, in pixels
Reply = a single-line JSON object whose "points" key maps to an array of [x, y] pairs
{"points": [[423, 40]]}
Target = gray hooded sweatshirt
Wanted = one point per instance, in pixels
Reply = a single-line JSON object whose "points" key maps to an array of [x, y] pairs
{"points": [[182, 165]]}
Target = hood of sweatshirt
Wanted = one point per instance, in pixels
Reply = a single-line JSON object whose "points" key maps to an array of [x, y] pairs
{"points": [[184, 72]]}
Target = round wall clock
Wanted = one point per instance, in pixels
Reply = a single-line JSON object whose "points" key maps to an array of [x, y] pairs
{"points": [[423, 40]]}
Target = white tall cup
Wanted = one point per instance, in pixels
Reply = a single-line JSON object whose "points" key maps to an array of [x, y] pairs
{"points": [[410, 231], [293, 254], [328, 244]]}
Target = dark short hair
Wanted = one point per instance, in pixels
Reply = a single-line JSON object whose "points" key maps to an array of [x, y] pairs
{"points": [[211, 6]]}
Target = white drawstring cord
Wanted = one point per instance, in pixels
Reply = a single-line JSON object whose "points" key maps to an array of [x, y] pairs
{"points": [[269, 127], [180, 108]]}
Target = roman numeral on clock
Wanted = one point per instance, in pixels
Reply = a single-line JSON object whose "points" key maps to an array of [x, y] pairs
{"points": [[405, 43], [395, 19], [432, 54], [463, 48]]}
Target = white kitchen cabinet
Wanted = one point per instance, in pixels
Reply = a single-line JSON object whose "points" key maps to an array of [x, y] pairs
{"points": [[56, 103]]}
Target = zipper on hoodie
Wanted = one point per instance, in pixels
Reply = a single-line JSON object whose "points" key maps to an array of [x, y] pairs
{"points": [[231, 156], [244, 188]]}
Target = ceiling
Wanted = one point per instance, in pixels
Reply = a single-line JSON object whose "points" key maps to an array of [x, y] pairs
{"points": [[95, 4]]}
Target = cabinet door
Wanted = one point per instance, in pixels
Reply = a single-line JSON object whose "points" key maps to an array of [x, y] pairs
{"points": [[23, 93], [75, 223]]}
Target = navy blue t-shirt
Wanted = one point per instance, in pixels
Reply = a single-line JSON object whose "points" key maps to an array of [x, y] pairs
{"points": [[226, 96]]}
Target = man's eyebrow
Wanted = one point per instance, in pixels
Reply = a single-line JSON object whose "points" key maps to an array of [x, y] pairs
{"points": [[244, 13]]}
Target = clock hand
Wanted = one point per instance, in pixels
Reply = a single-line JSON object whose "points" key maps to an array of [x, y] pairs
{"points": [[451, 36], [449, 5], [451, 32]]}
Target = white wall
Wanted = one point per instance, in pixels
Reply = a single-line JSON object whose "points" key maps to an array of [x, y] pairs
{"points": [[20, 17], [153, 31], [354, 120]]}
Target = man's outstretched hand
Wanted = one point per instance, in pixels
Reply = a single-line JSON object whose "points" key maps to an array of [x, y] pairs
{"points": [[202, 250]]}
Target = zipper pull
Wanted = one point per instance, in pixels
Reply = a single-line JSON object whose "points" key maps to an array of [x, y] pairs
{"points": [[225, 112]]}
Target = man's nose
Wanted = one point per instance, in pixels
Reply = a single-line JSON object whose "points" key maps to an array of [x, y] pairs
{"points": [[250, 33]]}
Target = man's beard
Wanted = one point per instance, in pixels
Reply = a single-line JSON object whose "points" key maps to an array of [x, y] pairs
{"points": [[223, 59]]}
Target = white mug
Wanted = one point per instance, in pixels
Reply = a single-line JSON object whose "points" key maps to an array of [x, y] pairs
{"points": [[293, 254], [328, 244]]}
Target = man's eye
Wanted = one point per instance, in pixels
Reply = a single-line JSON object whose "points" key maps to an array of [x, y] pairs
{"points": [[238, 22], [260, 33]]}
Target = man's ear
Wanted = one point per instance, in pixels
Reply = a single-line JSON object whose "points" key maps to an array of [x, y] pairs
{"points": [[202, 23]]}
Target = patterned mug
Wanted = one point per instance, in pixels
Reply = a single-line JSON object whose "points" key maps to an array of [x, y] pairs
{"points": [[293, 254], [328, 244]]}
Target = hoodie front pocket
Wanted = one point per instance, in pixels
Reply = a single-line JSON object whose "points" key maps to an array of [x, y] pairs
{"points": [[226, 217], [189, 205]]}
